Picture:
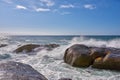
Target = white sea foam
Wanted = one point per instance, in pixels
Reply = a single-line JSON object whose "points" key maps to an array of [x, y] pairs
{"points": [[51, 64], [95, 42]]}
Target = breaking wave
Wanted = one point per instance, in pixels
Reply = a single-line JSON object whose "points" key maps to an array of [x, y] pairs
{"points": [[51, 64], [96, 42]]}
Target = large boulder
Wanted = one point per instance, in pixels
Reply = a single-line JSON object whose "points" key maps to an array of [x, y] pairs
{"points": [[78, 56], [99, 57], [10, 70], [110, 61]]}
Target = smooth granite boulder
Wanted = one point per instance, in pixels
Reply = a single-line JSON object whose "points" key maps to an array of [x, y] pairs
{"points": [[10, 70], [78, 56], [110, 61]]}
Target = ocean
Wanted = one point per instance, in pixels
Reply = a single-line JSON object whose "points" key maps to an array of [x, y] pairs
{"points": [[51, 64]]}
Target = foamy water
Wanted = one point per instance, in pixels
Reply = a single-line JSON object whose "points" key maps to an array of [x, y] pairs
{"points": [[51, 64]]}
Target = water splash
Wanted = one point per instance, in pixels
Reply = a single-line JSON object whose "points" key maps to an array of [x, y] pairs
{"points": [[51, 64], [95, 42]]}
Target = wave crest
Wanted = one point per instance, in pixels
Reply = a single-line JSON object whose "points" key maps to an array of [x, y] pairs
{"points": [[96, 42]]}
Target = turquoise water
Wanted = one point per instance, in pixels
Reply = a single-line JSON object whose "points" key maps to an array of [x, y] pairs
{"points": [[51, 64]]}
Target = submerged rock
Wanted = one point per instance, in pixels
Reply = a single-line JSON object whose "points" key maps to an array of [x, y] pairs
{"points": [[26, 48], [78, 56], [10, 70], [64, 79], [30, 47], [51, 46], [4, 56], [3, 45]]}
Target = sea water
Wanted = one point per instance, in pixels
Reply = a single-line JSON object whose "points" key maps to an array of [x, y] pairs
{"points": [[51, 64]]}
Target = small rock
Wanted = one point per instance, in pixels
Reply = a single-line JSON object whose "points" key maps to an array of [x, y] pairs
{"points": [[3, 45], [64, 79]]}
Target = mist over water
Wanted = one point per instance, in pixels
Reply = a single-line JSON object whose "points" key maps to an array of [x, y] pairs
{"points": [[51, 64]]}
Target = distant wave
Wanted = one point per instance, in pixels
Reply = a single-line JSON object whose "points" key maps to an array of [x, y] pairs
{"points": [[95, 42]]}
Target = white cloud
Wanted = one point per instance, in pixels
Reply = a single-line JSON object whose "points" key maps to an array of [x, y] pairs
{"points": [[42, 9], [48, 2], [89, 6], [67, 6], [21, 7]]}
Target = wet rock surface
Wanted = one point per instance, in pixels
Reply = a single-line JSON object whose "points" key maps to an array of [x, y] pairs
{"points": [[30, 48], [83, 56], [26, 48], [51, 46], [78, 56], [64, 79], [110, 61], [10, 70], [3, 45]]}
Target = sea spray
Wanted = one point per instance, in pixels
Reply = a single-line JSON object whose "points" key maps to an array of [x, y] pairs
{"points": [[96, 42], [51, 64]]}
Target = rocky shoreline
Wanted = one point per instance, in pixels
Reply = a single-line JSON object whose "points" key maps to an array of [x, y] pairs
{"points": [[11, 70], [79, 55]]}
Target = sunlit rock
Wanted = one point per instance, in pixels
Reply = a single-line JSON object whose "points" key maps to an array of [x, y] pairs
{"points": [[78, 56], [110, 61]]}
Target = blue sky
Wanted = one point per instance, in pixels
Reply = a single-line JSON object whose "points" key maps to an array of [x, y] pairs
{"points": [[60, 17]]}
